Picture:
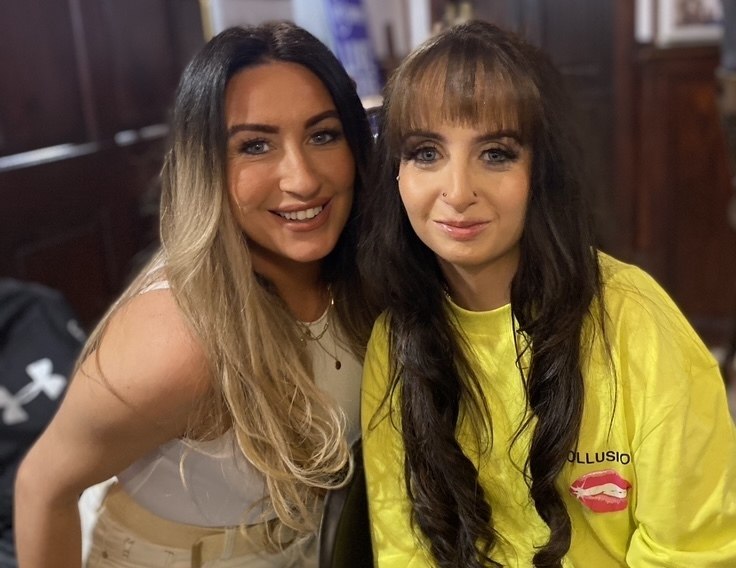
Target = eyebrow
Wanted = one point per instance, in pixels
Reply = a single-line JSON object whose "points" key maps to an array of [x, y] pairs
{"points": [[270, 129], [486, 137]]}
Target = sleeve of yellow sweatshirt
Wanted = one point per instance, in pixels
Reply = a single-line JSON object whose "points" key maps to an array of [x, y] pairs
{"points": [[684, 439]]}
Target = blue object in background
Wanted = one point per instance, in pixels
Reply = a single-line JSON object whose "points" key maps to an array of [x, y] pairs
{"points": [[352, 44]]}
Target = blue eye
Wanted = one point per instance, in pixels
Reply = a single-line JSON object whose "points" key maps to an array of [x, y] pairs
{"points": [[424, 155], [499, 156], [325, 137], [427, 155], [254, 147]]}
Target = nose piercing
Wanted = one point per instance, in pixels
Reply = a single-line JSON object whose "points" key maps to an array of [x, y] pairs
{"points": [[444, 194], [475, 194]]}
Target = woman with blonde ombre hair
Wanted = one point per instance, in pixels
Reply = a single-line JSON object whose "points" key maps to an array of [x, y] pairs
{"points": [[222, 388]]}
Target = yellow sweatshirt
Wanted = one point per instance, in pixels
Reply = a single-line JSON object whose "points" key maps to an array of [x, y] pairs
{"points": [[653, 479]]}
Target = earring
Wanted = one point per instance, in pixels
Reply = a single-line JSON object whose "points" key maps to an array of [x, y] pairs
{"points": [[397, 177]]}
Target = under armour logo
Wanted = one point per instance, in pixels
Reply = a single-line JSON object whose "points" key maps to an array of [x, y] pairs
{"points": [[43, 380]]}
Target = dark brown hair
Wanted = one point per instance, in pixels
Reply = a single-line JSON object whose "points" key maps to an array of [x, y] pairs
{"points": [[476, 73]]}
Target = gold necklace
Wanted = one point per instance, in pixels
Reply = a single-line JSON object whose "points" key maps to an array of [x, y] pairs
{"points": [[338, 363], [307, 334]]}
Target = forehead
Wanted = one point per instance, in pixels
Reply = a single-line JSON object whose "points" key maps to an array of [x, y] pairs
{"points": [[274, 92]]}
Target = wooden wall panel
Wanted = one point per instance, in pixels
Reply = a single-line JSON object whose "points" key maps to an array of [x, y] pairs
{"points": [[624, 154], [39, 92], [77, 72], [185, 26], [508, 14], [682, 233], [132, 66], [77, 261], [75, 223]]}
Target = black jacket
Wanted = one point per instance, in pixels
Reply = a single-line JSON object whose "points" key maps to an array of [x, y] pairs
{"points": [[39, 342]]}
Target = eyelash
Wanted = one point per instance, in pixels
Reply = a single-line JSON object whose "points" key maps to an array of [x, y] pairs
{"points": [[334, 135], [247, 146], [413, 155], [506, 155]]}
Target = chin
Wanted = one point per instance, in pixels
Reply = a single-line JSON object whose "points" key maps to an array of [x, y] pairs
{"points": [[310, 256]]}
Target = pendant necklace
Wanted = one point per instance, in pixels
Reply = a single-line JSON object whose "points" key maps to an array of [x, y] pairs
{"points": [[307, 334]]}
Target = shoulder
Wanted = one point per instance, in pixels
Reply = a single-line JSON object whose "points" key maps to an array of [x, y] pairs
{"points": [[376, 365], [639, 311], [135, 391], [655, 352], [149, 355], [624, 282], [379, 335]]}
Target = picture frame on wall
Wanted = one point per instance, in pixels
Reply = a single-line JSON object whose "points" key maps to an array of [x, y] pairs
{"points": [[687, 22]]}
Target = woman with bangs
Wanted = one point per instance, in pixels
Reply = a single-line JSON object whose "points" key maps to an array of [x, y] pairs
{"points": [[528, 400], [223, 388]]}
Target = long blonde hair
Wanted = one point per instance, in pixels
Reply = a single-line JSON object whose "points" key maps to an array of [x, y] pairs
{"points": [[263, 385]]}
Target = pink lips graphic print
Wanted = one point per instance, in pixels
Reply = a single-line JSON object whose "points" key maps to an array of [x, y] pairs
{"points": [[602, 491]]}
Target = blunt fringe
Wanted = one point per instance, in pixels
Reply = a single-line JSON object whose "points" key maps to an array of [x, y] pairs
{"points": [[472, 74]]}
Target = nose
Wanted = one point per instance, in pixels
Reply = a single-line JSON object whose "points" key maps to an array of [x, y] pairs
{"points": [[298, 175], [457, 187]]}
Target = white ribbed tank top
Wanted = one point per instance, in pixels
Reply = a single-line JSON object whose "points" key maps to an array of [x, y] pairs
{"points": [[215, 485]]}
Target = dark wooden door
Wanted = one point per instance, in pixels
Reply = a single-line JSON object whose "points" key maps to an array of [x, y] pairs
{"points": [[683, 186], [86, 88]]}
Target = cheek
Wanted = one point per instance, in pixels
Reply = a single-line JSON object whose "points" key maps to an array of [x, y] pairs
{"points": [[518, 205], [248, 187], [517, 197], [238, 209], [341, 170], [233, 194], [417, 199], [406, 199], [416, 210], [234, 185]]}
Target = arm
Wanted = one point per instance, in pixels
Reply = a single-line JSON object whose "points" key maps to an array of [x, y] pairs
{"points": [[684, 445], [153, 375], [686, 470], [394, 542]]}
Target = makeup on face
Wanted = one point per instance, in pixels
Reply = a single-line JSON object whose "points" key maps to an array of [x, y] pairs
{"points": [[465, 191], [290, 168]]}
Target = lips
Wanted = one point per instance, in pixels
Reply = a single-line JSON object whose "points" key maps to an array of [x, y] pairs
{"points": [[462, 230], [602, 491], [301, 211], [308, 218], [301, 214]]}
